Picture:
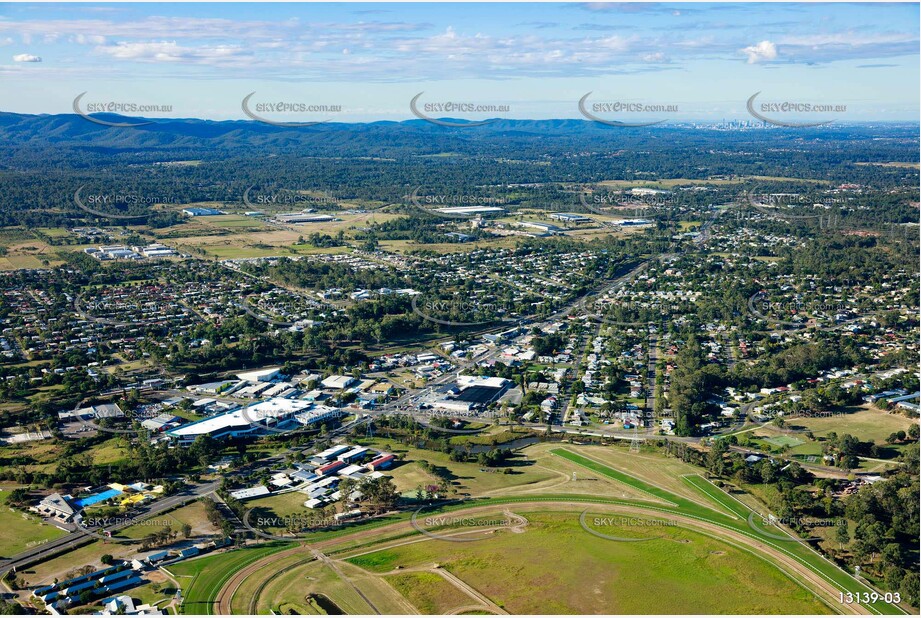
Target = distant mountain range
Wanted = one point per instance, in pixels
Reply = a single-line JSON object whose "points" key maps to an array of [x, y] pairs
{"points": [[185, 132], [75, 130]]}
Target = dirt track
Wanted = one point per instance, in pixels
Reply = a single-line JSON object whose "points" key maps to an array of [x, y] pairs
{"points": [[793, 569]]}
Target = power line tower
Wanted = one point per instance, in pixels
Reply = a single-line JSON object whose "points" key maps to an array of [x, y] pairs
{"points": [[635, 440]]}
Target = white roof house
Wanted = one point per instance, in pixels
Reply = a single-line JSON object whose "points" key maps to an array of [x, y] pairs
{"points": [[280, 479]]}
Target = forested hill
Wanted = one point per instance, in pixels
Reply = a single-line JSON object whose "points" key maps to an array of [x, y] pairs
{"points": [[381, 137]]}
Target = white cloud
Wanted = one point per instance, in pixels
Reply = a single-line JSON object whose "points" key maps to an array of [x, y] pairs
{"points": [[849, 39], [89, 39], [614, 43], [340, 49], [26, 58], [170, 51], [765, 50]]}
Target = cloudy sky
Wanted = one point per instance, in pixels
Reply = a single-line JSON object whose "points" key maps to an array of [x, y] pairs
{"points": [[538, 59]]}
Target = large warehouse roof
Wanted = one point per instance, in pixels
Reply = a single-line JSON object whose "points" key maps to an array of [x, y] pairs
{"points": [[271, 408]]}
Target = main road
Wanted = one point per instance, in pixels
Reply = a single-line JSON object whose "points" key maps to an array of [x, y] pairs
{"points": [[79, 535]]}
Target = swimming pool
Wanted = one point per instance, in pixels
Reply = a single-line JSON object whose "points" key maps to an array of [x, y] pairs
{"points": [[100, 497]]}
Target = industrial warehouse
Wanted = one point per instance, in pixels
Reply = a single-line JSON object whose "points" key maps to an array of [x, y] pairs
{"points": [[278, 414]]}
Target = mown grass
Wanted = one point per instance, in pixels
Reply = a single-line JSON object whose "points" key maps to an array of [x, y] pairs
{"points": [[800, 552], [20, 530], [556, 567], [210, 573], [430, 593]]}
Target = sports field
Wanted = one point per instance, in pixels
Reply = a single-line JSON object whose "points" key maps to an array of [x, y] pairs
{"points": [[20, 530], [784, 441]]}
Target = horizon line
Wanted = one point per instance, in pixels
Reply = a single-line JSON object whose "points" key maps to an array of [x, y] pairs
{"points": [[461, 121]]}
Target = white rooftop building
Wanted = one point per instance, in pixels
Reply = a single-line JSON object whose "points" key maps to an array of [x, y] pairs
{"points": [[250, 492], [242, 421], [467, 381], [123, 605], [338, 382], [261, 375]]}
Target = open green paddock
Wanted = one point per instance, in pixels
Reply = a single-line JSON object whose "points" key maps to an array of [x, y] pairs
{"points": [[556, 567], [739, 522], [715, 507]]}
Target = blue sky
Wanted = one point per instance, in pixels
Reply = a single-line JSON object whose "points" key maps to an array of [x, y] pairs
{"points": [[538, 59]]}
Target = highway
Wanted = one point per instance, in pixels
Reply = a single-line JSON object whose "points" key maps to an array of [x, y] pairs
{"points": [[79, 537]]}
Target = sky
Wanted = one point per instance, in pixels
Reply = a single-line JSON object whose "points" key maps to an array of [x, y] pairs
{"points": [[689, 61]]}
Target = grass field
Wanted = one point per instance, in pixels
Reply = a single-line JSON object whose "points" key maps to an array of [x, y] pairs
{"points": [[44, 572], [410, 475], [238, 223], [909, 165], [783, 441], [740, 513], [16, 262], [650, 467], [54, 232], [20, 531], [255, 585], [405, 246], [192, 514], [110, 451], [429, 592], [866, 423], [695, 566], [25, 250], [283, 505], [283, 586], [682, 571], [207, 575], [42, 455], [465, 477]]}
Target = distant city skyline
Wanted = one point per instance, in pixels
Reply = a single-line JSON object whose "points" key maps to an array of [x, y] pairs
{"points": [[684, 62]]}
